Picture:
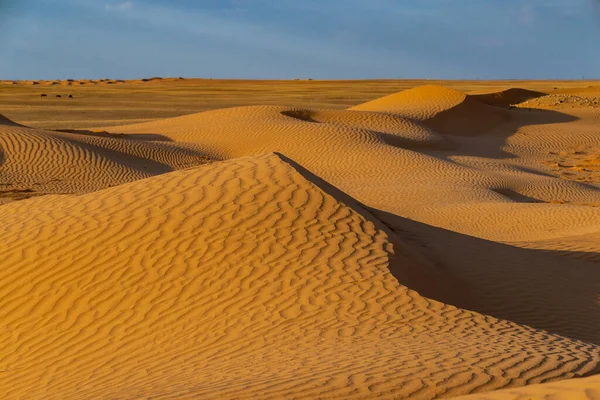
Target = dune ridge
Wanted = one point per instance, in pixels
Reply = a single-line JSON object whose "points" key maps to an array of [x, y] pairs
{"points": [[445, 110], [239, 279], [394, 163], [36, 162], [422, 245], [508, 97], [493, 186]]}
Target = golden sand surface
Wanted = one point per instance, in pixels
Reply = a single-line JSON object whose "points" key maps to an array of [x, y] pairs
{"points": [[332, 240], [114, 102], [571, 389]]}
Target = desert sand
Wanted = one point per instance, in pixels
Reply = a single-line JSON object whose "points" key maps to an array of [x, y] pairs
{"points": [[432, 242], [572, 389]]}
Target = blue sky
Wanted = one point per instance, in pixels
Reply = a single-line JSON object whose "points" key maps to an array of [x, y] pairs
{"points": [[337, 39]]}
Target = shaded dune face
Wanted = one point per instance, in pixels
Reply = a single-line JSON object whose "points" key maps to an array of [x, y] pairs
{"points": [[509, 97], [415, 246], [392, 161], [6, 122], [444, 110], [210, 282], [390, 129], [37, 162], [474, 185]]}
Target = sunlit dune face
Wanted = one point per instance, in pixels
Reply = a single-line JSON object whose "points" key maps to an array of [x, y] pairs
{"points": [[335, 241]]}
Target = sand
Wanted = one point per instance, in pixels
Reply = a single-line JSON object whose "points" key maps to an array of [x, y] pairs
{"points": [[37, 162], [580, 389], [427, 244], [126, 102]]}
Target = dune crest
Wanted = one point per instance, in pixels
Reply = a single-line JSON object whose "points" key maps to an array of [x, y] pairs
{"points": [[239, 279], [35, 162], [444, 110], [428, 244], [508, 97]]}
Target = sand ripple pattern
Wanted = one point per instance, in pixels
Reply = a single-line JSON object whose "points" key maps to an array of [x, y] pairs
{"points": [[430, 154], [47, 162], [580, 389], [242, 279]]}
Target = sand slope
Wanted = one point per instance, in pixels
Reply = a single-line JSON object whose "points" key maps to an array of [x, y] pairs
{"points": [[463, 258], [241, 279], [508, 97], [493, 189], [394, 163], [445, 110], [580, 389], [35, 162]]}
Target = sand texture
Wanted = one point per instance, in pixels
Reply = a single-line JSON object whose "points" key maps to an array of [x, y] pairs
{"points": [[573, 389], [426, 244], [34, 162]]}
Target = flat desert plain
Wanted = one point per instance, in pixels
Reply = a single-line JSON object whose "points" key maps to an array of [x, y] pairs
{"points": [[206, 239]]}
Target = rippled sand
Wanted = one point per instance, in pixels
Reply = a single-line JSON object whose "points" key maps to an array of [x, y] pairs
{"points": [[426, 244]]}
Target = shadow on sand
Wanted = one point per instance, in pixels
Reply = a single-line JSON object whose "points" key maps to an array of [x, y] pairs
{"points": [[557, 291], [491, 143], [141, 137]]}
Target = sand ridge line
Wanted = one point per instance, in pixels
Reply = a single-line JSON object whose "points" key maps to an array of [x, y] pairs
{"points": [[199, 274], [449, 267], [391, 160], [51, 162]]}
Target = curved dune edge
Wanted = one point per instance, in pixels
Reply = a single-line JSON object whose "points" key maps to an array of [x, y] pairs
{"points": [[483, 210], [508, 97], [395, 163], [442, 109], [35, 162], [7, 122], [581, 389], [242, 279]]}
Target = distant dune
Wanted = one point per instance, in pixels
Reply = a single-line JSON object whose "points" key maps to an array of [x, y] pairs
{"points": [[394, 162], [444, 110], [427, 244], [509, 97]]}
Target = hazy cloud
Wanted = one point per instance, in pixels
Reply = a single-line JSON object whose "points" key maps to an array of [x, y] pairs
{"points": [[125, 6]]}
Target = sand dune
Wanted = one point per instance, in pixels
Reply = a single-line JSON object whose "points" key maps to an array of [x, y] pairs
{"points": [[445, 110], [241, 279], [494, 186], [35, 162], [461, 256], [393, 163], [509, 97], [580, 389]]}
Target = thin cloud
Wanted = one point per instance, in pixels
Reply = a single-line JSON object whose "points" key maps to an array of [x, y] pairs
{"points": [[125, 6], [489, 42], [527, 15]]}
